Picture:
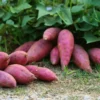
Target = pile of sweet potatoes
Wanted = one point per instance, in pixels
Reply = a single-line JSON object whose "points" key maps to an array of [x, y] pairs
{"points": [[59, 44]]}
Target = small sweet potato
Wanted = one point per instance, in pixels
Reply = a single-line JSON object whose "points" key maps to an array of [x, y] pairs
{"points": [[20, 73], [81, 58], [6, 80], [4, 60], [51, 33], [39, 50], [41, 73], [95, 55], [65, 47], [25, 47], [54, 56], [18, 57]]}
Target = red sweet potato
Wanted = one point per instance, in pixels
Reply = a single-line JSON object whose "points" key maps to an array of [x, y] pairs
{"points": [[54, 56], [81, 58], [25, 47], [51, 33], [65, 47], [95, 55], [4, 60], [33, 69], [6, 80], [18, 57], [20, 73], [41, 73], [39, 50]]}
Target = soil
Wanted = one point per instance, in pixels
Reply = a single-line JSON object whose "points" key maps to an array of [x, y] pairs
{"points": [[66, 88]]}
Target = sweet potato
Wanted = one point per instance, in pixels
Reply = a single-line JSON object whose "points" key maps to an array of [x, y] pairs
{"points": [[25, 47], [20, 73], [39, 50], [81, 58], [95, 55], [54, 56], [33, 69], [65, 47], [4, 60], [6, 80], [51, 33], [41, 73], [18, 57]]}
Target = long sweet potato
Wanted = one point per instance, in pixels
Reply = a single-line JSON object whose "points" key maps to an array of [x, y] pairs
{"points": [[51, 33], [65, 46], [25, 47], [20, 73], [95, 55], [39, 50], [6, 80], [18, 57], [41, 73], [54, 56], [4, 60], [81, 58]]}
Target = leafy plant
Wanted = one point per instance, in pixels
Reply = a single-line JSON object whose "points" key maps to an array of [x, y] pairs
{"points": [[24, 20]]}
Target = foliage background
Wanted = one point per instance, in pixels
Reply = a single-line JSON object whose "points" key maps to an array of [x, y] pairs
{"points": [[24, 20]]}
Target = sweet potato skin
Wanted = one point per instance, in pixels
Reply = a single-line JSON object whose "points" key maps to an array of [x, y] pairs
{"points": [[94, 54], [42, 73], [54, 56], [25, 47], [4, 60], [51, 33], [6, 80], [39, 50], [46, 74], [33, 69], [65, 47], [81, 58], [18, 57], [20, 73]]}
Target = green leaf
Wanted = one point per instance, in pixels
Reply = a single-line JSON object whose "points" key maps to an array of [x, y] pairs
{"points": [[42, 10], [97, 15], [20, 7], [1, 13], [65, 15], [90, 20], [83, 27], [95, 3], [7, 16], [77, 8], [26, 19], [10, 22], [49, 21], [90, 38]]}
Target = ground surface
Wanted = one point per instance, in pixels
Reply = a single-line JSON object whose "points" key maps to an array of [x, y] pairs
{"points": [[75, 86]]}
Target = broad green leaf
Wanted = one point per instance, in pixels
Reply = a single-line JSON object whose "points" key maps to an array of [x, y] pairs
{"points": [[1, 13], [42, 10], [97, 15], [65, 15], [83, 27], [7, 16], [77, 8], [10, 22], [90, 38], [26, 19], [20, 7], [95, 3], [90, 20], [49, 21]]}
